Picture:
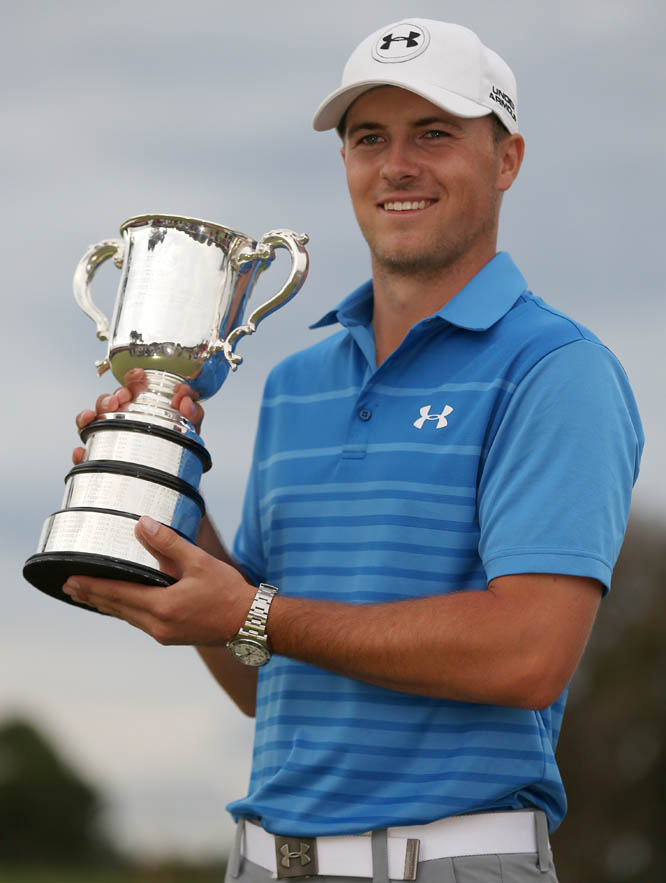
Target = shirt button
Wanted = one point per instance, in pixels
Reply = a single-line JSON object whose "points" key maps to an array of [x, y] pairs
{"points": [[364, 414]]}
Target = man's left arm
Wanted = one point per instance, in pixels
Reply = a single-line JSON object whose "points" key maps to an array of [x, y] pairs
{"points": [[517, 643]]}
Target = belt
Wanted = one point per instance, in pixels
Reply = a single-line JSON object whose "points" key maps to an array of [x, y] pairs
{"points": [[351, 855]]}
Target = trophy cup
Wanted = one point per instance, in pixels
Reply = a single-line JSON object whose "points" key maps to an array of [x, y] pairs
{"points": [[178, 315]]}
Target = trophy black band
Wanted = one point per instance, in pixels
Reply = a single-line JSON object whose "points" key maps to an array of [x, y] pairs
{"points": [[178, 315]]}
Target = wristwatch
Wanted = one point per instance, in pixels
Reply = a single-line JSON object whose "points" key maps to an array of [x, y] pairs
{"points": [[250, 643]]}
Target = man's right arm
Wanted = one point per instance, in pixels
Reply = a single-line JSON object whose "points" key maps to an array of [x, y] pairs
{"points": [[238, 680]]}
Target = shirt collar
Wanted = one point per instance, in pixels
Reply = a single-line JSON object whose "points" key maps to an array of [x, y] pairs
{"points": [[355, 309], [485, 299]]}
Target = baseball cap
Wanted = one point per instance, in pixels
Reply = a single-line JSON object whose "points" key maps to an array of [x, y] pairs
{"points": [[444, 63]]}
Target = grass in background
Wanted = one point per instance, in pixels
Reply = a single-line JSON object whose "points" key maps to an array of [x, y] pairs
{"points": [[153, 874]]}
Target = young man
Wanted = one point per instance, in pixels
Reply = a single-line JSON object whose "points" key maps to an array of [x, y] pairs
{"points": [[439, 491]]}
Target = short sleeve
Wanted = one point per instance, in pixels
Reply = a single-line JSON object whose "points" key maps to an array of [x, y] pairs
{"points": [[556, 482]]}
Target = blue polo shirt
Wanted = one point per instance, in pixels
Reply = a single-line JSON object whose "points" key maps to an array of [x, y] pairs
{"points": [[500, 437]]}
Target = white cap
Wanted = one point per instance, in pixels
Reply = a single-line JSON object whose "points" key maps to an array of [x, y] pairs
{"points": [[444, 63]]}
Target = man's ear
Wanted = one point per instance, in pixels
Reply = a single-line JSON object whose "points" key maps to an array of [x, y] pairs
{"points": [[512, 151], [342, 153]]}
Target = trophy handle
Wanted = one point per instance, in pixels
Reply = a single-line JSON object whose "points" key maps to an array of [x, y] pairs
{"points": [[86, 269], [264, 250]]}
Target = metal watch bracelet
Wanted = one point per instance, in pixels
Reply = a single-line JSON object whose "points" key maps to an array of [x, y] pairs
{"points": [[250, 643], [257, 617]]}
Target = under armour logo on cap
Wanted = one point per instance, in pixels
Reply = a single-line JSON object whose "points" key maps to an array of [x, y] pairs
{"points": [[404, 41], [411, 40]]}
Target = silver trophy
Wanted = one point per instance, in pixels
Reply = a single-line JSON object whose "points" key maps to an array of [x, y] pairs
{"points": [[178, 315]]}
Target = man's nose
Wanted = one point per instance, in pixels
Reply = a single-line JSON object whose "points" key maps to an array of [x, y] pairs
{"points": [[400, 162]]}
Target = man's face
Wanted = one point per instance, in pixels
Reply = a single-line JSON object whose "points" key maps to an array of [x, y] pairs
{"points": [[425, 185]]}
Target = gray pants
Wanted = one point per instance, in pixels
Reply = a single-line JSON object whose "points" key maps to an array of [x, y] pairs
{"points": [[512, 868]]}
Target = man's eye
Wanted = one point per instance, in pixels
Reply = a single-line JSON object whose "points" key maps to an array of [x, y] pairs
{"points": [[370, 139], [436, 133]]}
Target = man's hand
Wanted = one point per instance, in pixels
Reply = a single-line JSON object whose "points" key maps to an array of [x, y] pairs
{"points": [[206, 606], [184, 400]]}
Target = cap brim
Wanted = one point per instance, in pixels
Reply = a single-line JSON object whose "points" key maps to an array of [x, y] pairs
{"points": [[332, 109]]}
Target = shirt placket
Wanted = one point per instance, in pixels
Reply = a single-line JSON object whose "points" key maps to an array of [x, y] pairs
{"points": [[359, 426], [362, 425]]}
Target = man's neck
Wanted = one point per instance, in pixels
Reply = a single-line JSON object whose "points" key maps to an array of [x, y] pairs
{"points": [[402, 300]]}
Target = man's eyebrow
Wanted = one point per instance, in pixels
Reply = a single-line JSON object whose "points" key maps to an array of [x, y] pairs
{"points": [[371, 126], [442, 121]]}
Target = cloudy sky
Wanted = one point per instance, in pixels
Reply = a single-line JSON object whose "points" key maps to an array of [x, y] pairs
{"points": [[204, 109]]}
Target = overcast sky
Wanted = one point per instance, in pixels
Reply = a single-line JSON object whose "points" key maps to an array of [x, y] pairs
{"points": [[204, 109]]}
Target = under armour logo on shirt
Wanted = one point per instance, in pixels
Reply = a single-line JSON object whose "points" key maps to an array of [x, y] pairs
{"points": [[440, 418]]}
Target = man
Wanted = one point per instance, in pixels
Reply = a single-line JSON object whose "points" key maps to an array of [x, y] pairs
{"points": [[439, 491]]}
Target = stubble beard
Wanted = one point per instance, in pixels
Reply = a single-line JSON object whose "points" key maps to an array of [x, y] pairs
{"points": [[424, 264], [435, 257]]}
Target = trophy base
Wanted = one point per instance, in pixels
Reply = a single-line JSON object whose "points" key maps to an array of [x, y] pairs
{"points": [[49, 571]]}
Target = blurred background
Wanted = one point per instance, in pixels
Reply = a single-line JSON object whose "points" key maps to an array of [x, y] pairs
{"points": [[117, 754]]}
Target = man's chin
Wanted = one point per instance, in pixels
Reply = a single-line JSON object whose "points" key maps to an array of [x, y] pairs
{"points": [[408, 262]]}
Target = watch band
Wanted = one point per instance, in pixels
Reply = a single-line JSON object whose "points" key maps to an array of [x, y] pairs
{"points": [[257, 617], [250, 643]]}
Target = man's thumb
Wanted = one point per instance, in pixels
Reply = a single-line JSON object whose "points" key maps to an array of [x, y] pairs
{"points": [[163, 540]]}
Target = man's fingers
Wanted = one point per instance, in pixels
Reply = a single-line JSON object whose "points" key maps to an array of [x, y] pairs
{"points": [[110, 594], [106, 403], [103, 405], [138, 605], [185, 400], [192, 410], [135, 382], [84, 418], [183, 390], [115, 400], [124, 395]]}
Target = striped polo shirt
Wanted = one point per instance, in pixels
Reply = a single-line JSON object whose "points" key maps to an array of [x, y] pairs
{"points": [[500, 437]]}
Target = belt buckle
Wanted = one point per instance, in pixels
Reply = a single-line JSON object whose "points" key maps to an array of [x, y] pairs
{"points": [[295, 856], [412, 848]]}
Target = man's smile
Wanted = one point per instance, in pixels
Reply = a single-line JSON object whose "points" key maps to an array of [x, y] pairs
{"points": [[406, 205]]}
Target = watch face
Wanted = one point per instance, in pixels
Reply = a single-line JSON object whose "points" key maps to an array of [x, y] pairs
{"points": [[250, 652]]}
